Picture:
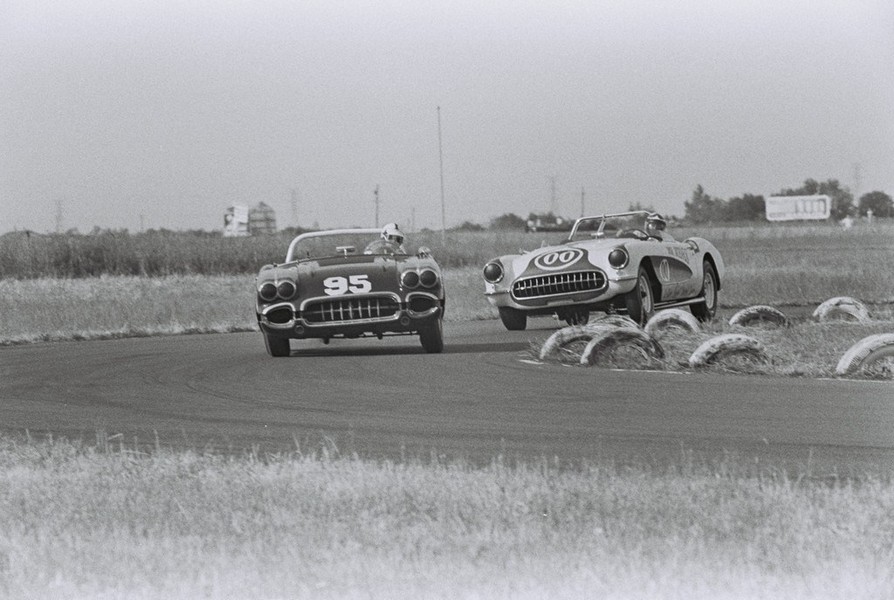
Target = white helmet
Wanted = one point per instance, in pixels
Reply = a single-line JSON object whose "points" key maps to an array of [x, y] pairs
{"points": [[391, 233]]}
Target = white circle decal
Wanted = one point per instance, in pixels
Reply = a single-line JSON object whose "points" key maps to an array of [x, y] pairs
{"points": [[553, 261]]}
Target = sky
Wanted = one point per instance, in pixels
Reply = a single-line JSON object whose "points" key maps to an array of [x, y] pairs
{"points": [[158, 114]]}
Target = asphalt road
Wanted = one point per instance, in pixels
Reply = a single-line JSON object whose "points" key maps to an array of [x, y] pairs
{"points": [[475, 401]]}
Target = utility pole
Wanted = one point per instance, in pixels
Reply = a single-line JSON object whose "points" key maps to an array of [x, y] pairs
{"points": [[441, 163], [294, 198], [59, 213], [552, 194], [376, 194], [582, 200], [858, 180]]}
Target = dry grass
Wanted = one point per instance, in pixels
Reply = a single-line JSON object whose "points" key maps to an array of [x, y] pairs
{"points": [[98, 522], [805, 348]]}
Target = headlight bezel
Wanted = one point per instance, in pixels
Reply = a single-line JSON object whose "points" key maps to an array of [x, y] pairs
{"points": [[497, 277]]}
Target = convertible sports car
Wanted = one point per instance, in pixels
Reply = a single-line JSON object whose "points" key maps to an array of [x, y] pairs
{"points": [[325, 291], [622, 262]]}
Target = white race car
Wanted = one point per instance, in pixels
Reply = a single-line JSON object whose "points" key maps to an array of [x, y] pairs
{"points": [[622, 262]]}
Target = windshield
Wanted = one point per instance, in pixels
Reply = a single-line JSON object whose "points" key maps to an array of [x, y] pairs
{"points": [[348, 243], [605, 227]]}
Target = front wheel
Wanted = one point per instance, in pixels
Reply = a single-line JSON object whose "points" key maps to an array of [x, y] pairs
{"points": [[705, 311], [432, 337], [513, 319], [640, 302], [277, 346]]}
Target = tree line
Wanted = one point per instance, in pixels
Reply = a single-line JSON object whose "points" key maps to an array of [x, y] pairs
{"points": [[703, 208]]}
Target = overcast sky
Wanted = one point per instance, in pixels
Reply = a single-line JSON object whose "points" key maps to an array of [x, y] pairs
{"points": [[124, 113]]}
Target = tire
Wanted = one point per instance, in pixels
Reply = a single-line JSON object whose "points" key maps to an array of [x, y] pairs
{"points": [[432, 337], [841, 306], [606, 340], [615, 320], [724, 345], [759, 315], [567, 344], [640, 301], [513, 319], [277, 346], [672, 317], [705, 311], [864, 353]]}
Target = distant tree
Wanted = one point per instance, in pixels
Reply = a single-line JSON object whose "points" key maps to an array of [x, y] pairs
{"points": [[842, 199], [634, 206], [507, 221], [748, 207], [702, 208], [879, 203], [469, 226]]}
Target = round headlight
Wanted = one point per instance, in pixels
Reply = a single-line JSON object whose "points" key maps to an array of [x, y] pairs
{"points": [[428, 278], [285, 289], [493, 272], [410, 279], [267, 291], [618, 258]]}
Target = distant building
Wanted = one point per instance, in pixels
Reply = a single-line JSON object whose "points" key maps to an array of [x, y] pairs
{"points": [[261, 219], [236, 222]]}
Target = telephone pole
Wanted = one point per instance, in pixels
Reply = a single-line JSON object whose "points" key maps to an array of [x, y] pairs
{"points": [[441, 164], [376, 194]]}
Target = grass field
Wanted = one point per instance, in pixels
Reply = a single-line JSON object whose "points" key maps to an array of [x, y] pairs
{"points": [[103, 521]]}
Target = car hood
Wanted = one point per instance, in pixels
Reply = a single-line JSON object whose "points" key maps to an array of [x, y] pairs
{"points": [[381, 272], [574, 256]]}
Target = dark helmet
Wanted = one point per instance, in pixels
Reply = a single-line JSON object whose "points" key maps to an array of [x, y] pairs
{"points": [[655, 222]]}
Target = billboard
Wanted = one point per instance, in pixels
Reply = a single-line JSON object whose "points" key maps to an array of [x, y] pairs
{"points": [[236, 221], [798, 208]]}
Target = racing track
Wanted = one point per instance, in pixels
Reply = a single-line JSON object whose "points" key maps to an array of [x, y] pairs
{"points": [[476, 400]]}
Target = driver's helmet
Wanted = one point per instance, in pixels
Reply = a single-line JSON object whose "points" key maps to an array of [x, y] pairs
{"points": [[655, 222], [392, 233]]}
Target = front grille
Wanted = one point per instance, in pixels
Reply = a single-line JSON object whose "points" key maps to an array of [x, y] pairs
{"points": [[350, 309], [558, 284]]}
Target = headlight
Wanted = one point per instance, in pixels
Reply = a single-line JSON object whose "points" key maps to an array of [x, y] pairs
{"points": [[618, 258], [267, 291], [285, 289], [410, 279], [493, 272], [428, 278]]}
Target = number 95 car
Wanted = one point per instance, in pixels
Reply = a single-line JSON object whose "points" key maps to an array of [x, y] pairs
{"points": [[623, 262], [327, 289]]}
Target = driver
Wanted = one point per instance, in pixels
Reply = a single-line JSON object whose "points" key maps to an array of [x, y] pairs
{"points": [[656, 226], [391, 243]]}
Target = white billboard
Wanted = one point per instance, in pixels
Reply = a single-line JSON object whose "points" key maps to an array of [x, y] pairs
{"points": [[798, 208], [236, 221]]}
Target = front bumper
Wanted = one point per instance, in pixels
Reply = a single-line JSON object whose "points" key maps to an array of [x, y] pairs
{"points": [[501, 296], [309, 321]]}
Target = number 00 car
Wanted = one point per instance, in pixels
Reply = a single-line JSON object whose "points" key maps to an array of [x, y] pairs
{"points": [[326, 290], [624, 262]]}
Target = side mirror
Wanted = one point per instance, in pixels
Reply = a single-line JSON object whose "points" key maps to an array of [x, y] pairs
{"points": [[423, 252]]}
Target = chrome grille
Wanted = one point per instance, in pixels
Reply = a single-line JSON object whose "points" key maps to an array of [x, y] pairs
{"points": [[350, 309], [559, 283]]}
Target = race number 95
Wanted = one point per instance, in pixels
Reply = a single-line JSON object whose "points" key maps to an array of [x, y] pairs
{"points": [[355, 284]]}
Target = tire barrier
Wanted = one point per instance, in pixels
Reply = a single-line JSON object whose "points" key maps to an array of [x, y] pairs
{"points": [[759, 315], [725, 345], [672, 317], [561, 341], [841, 306], [865, 353], [608, 339], [614, 320]]}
